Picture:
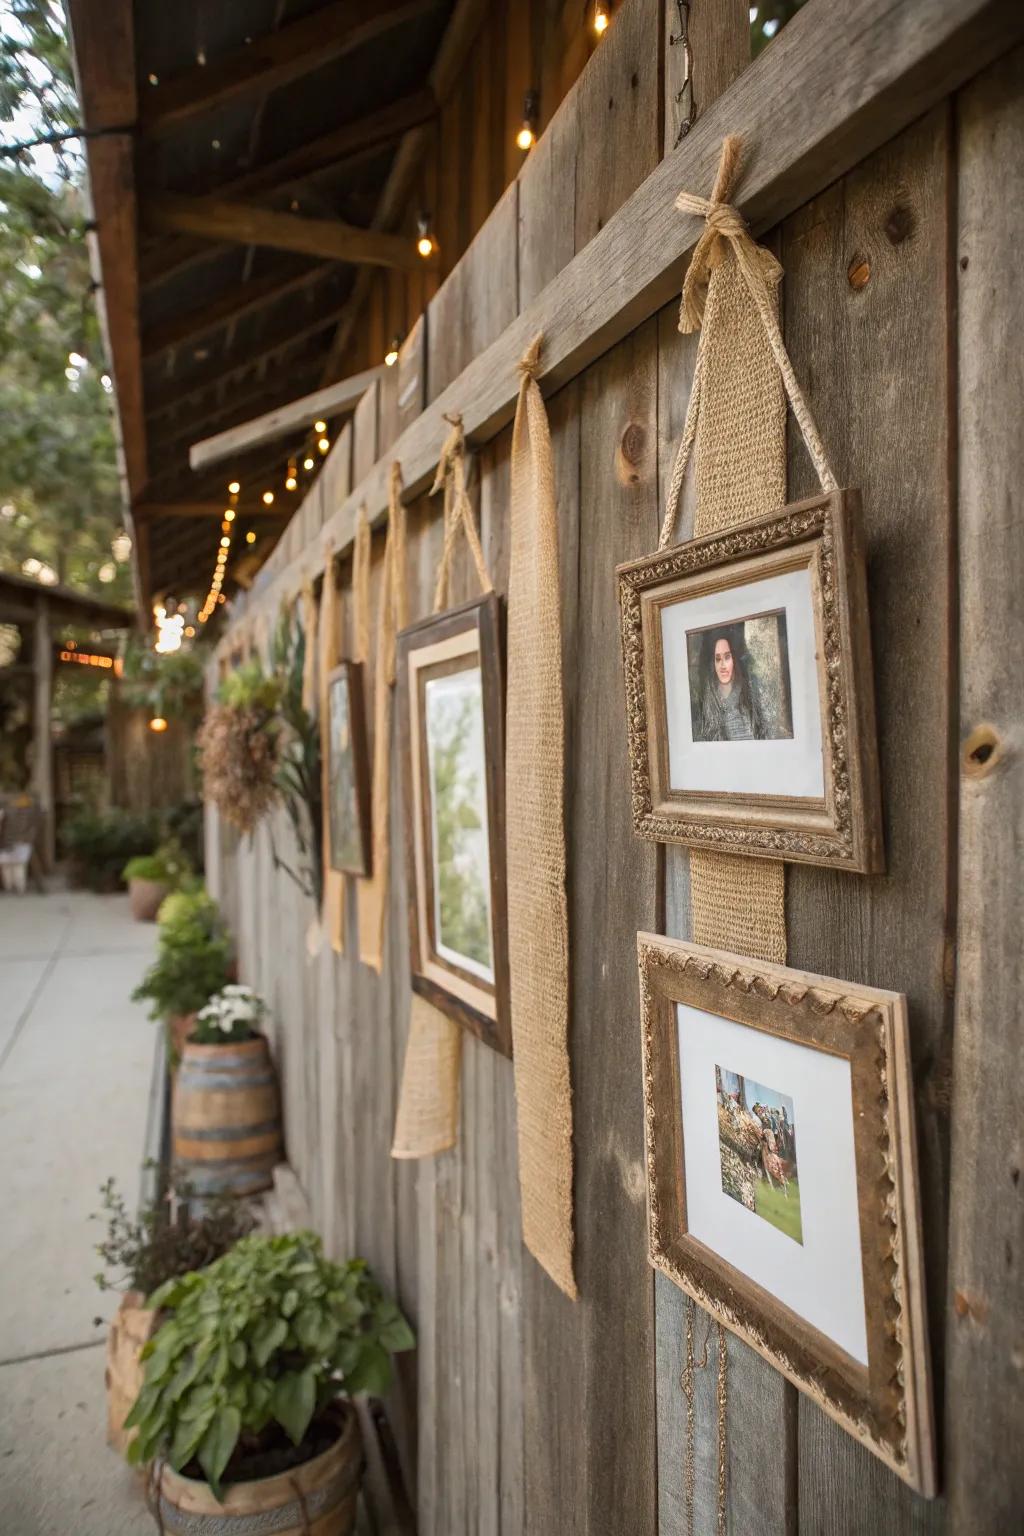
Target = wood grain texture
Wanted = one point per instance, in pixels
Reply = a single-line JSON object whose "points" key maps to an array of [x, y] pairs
{"points": [[884, 415], [985, 1381]]}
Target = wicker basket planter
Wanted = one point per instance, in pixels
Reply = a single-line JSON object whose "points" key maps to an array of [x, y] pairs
{"points": [[317, 1498], [129, 1331], [225, 1117]]}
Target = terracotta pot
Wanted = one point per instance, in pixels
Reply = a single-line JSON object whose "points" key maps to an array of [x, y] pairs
{"points": [[225, 1117], [145, 897], [129, 1331], [315, 1499]]}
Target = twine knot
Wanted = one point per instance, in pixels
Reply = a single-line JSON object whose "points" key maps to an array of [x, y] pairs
{"points": [[723, 226], [529, 364]]}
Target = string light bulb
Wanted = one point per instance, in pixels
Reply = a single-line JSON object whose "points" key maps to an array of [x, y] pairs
{"points": [[391, 355], [290, 480], [526, 138], [268, 498], [320, 426], [307, 462], [250, 537], [234, 488], [158, 724], [601, 17], [425, 243], [229, 515], [324, 444]]}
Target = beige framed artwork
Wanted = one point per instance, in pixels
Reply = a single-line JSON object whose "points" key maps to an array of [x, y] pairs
{"points": [[782, 1180], [451, 723], [749, 696]]}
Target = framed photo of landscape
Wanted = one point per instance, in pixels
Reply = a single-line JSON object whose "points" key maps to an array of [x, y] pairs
{"points": [[348, 772], [749, 695], [782, 1180], [451, 720]]}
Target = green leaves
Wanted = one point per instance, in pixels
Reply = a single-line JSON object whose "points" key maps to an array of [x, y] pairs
{"points": [[266, 1336], [294, 1401]]}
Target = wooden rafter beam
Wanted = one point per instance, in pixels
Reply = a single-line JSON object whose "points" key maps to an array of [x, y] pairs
{"points": [[282, 420], [212, 510], [214, 218], [274, 60], [286, 335], [228, 309]]}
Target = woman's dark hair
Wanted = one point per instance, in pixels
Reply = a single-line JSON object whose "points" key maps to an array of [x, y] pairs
{"points": [[733, 635]]}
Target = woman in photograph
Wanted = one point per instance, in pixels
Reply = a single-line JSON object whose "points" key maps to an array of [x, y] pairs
{"points": [[730, 706]]}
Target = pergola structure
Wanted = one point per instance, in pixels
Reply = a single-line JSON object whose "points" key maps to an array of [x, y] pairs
{"points": [[40, 611], [252, 165]]}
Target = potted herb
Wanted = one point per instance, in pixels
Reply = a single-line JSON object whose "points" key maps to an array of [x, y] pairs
{"points": [[225, 1114], [141, 1253], [151, 877], [193, 962], [247, 1383]]}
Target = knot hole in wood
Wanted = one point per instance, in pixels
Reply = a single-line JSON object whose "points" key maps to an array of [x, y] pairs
{"points": [[982, 751], [632, 447]]}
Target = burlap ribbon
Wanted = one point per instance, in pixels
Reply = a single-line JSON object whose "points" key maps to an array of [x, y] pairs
{"points": [[393, 616], [427, 1119], [538, 923], [736, 421], [333, 910]]}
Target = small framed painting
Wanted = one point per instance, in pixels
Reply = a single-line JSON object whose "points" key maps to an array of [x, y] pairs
{"points": [[782, 1180], [348, 772], [451, 719], [749, 698]]}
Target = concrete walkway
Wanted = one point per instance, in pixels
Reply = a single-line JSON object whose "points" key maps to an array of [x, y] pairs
{"points": [[76, 1063]]}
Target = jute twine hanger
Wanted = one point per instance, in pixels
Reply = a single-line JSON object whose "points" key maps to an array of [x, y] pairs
{"points": [[458, 512], [726, 227]]}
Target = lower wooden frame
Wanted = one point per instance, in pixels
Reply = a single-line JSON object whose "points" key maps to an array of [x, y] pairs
{"points": [[887, 1405]]}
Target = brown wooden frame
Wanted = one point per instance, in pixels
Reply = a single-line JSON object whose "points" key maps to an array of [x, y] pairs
{"points": [[352, 672], [488, 1017], [844, 828], [888, 1405]]}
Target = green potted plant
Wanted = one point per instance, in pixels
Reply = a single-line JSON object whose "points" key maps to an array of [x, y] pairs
{"points": [[246, 1387], [140, 1253], [193, 961], [152, 876], [97, 844], [225, 1114]]}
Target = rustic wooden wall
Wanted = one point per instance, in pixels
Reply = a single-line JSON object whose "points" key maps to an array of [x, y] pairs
{"points": [[522, 1411]]}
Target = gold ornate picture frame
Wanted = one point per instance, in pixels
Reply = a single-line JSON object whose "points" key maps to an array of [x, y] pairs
{"points": [[780, 1147], [749, 693]]}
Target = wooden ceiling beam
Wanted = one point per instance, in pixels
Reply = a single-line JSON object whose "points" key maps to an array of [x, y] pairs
{"points": [[214, 218], [283, 419], [213, 510], [274, 60], [284, 337], [228, 309]]}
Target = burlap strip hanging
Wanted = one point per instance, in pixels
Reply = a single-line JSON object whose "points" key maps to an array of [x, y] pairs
{"points": [[736, 423], [330, 629], [736, 427], [393, 616], [538, 920], [427, 1120]]}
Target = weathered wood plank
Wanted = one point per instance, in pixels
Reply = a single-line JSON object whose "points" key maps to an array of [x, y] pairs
{"points": [[985, 1381], [808, 114], [282, 420], [885, 417], [476, 301]]}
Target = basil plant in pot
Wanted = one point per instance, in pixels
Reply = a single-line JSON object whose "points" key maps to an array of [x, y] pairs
{"points": [[244, 1403], [225, 1113]]}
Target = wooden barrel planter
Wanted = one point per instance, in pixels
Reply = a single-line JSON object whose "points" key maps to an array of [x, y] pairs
{"points": [[317, 1498], [225, 1117]]}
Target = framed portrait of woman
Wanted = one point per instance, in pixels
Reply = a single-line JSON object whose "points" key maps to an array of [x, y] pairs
{"points": [[749, 694], [782, 1180], [451, 722]]}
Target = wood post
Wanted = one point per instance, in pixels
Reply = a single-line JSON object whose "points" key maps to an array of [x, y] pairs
{"points": [[42, 756]]}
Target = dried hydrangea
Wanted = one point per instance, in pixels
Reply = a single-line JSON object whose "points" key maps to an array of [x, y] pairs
{"points": [[238, 752]]}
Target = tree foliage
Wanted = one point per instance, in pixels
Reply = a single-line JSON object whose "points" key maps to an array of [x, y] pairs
{"points": [[59, 491]]}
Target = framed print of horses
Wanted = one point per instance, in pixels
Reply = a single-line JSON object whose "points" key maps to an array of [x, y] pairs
{"points": [[749, 699], [782, 1180], [451, 720]]}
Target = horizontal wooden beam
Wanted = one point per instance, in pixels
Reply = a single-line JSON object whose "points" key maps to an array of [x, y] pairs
{"points": [[275, 59], [148, 510], [214, 218], [228, 309], [841, 79], [283, 419]]}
